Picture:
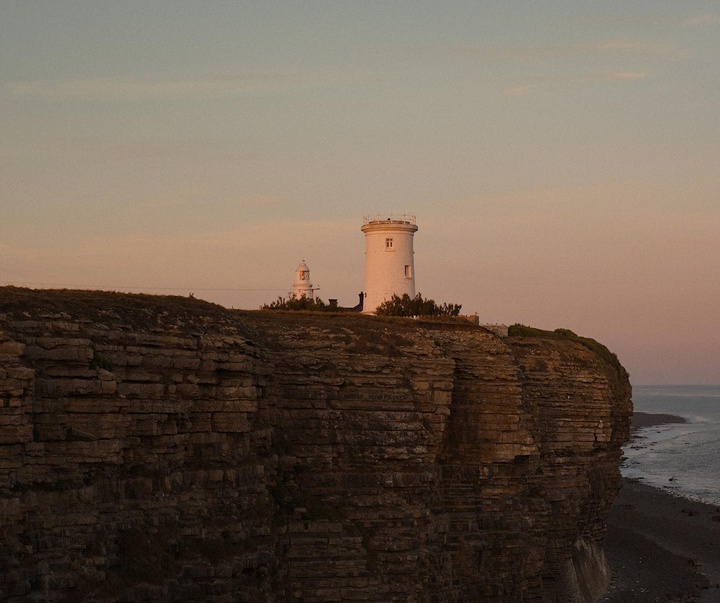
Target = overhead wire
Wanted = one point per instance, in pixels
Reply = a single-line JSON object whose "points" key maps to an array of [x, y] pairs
{"points": [[142, 287]]}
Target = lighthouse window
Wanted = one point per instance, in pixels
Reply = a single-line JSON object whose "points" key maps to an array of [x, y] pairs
{"points": [[388, 244], [408, 271]]}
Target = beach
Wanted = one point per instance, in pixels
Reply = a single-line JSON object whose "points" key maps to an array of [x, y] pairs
{"points": [[662, 547]]}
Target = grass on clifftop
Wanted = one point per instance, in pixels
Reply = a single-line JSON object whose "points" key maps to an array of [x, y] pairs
{"points": [[523, 331], [109, 307]]}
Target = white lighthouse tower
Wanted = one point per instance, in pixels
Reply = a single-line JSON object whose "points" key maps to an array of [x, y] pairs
{"points": [[302, 287], [389, 259]]}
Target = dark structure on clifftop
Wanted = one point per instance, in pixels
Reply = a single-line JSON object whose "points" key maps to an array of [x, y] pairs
{"points": [[166, 449]]}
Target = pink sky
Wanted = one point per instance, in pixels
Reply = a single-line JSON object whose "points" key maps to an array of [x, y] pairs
{"points": [[561, 159]]}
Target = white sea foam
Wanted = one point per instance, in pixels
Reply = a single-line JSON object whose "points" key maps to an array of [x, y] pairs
{"points": [[682, 458]]}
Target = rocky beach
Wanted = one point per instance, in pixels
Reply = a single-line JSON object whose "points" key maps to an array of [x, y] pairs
{"points": [[662, 547]]}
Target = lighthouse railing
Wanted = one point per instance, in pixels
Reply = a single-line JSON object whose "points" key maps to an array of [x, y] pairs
{"points": [[392, 218]]}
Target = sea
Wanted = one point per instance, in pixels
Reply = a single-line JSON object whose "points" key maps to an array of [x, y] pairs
{"points": [[682, 458]]}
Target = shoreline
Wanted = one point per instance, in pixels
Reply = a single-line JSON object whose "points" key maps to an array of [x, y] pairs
{"points": [[661, 546]]}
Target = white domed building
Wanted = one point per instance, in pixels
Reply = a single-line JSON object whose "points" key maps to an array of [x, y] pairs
{"points": [[302, 287]]}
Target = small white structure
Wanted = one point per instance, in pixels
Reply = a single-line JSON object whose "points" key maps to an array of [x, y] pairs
{"points": [[499, 329], [389, 258], [302, 287]]}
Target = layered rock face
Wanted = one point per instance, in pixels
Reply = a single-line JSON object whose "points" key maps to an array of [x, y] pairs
{"points": [[165, 449]]}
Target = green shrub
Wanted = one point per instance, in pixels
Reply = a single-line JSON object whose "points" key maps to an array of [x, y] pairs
{"points": [[302, 304], [416, 306]]}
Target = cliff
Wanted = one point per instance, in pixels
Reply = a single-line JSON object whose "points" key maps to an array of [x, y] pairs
{"points": [[167, 449]]}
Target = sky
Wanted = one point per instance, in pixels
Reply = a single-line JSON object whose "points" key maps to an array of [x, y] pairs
{"points": [[562, 157]]}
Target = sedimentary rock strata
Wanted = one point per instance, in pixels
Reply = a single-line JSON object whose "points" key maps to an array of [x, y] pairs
{"points": [[165, 449]]}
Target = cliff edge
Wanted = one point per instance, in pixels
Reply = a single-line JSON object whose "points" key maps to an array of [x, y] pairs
{"points": [[167, 449]]}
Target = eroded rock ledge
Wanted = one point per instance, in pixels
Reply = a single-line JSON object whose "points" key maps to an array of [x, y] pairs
{"points": [[167, 449]]}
